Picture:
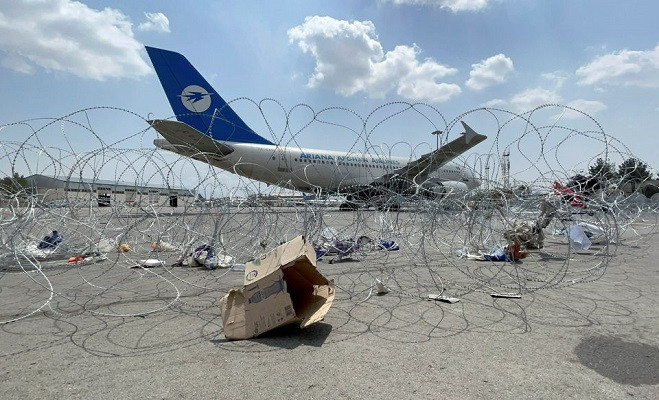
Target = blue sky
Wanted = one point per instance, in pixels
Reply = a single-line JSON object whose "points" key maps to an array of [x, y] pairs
{"points": [[601, 57]]}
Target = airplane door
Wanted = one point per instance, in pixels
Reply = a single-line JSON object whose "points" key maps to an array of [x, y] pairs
{"points": [[283, 165]]}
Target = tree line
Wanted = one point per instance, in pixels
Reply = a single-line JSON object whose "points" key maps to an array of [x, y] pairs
{"points": [[13, 184], [602, 173]]}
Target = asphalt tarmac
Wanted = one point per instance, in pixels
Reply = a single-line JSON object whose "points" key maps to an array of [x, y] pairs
{"points": [[586, 331]]}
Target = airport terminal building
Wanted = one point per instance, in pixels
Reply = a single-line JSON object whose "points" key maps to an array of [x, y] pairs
{"points": [[60, 191]]}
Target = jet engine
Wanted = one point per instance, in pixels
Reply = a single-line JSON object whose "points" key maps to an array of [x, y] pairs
{"points": [[434, 189]]}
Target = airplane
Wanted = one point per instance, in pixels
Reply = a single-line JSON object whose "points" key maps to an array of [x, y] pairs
{"points": [[209, 130]]}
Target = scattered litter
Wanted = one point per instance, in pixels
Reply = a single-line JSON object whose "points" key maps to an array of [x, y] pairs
{"points": [[163, 246], [576, 234], [496, 254], [596, 234], [238, 267], [330, 244], [507, 295], [389, 245], [150, 263], [443, 298], [512, 252], [92, 260], [50, 241], [281, 287], [78, 260], [513, 201], [222, 261], [568, 195], [106, 245], [204, 256], [530, 233], [33, 250], [382, 289], [462, 253]]}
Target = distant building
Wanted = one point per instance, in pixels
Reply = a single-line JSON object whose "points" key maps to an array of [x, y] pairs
{"points": [[647, 188], [60, 191]]}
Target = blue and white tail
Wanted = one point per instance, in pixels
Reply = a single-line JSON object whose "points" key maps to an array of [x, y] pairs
{"points": [[195, 102]]}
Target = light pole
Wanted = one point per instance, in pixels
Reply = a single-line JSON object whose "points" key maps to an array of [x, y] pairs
{"points": [[437, 134]]}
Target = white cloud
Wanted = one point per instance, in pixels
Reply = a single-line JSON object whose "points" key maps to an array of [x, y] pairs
{"points": [[624, 68], [157, 22], [69, 36], [532, 98], [489, 72], [349, 59], [17, 63], [557, 78], [453, 5], [495, 103], [590, 107]]}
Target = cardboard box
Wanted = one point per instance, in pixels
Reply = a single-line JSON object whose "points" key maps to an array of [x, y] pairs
{"points": [[281, 287]]}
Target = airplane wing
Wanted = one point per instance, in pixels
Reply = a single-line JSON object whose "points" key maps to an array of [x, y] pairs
{"points": [[419, 170], [187, 139]]}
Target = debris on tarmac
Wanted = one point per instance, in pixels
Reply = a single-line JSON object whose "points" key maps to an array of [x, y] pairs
{"points": [[443, 298], [423, 245], [280, 288]]}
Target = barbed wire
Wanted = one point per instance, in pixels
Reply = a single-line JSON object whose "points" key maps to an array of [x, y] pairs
{"points": [[445, 243]]}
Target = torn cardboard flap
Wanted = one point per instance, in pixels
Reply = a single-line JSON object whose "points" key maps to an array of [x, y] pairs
{"points": [[281, 287]]}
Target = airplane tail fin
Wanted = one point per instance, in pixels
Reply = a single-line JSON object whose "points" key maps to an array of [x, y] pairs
{"points": [[195, 102]]}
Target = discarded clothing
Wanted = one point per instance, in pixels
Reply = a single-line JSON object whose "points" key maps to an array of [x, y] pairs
{"points": [[496, 254], [204, 255], [511, 253], [50, 241], [389, 245], [341, 248], [331, 245]]}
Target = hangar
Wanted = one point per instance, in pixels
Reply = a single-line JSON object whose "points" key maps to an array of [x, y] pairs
{"points": [[60, 191]]}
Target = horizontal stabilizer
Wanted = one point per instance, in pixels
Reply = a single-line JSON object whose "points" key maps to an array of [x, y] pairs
{"points": [[181, 135]]}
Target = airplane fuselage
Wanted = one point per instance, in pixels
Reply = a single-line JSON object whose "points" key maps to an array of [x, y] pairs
{"points": [[308, 170]]}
